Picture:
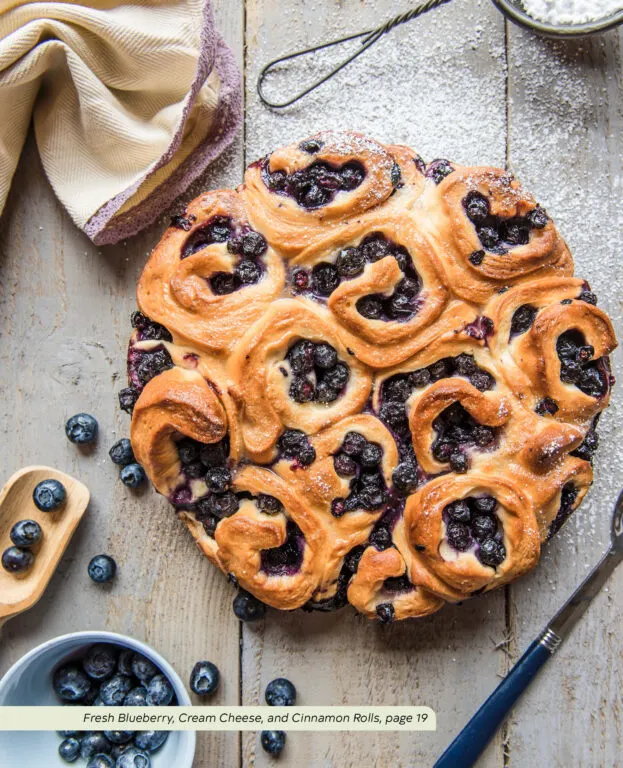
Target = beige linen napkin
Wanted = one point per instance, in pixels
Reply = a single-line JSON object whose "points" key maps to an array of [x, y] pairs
{"points": [[130, 101]]}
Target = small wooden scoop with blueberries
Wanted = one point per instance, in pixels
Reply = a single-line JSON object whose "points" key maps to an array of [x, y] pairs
{"points": [[40, 508]]}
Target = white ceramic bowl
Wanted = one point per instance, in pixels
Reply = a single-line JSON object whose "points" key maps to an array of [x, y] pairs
{"points": [[29, 682]]}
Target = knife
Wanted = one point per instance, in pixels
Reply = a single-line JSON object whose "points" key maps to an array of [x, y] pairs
{"points": [[472, 740]]}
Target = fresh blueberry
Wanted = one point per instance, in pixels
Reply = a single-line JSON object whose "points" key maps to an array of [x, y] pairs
{"points": [[247, 607], [69, 750], [26, 533], [124, 663], [114, 691], [280, 693], [121, 453], [159, 691], [71, 734], [273, 742], [133, 475], [101, 761], [150, 741], [204, 678], [94, 743], [49, 495], [119, 737], [102, 569], [100, 661], [143, 668], [81, 428], [70, 683], [137, 697], [133, 758]]}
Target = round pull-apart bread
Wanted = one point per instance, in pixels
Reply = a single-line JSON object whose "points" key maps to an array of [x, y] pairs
{"points": [[362, 379]]}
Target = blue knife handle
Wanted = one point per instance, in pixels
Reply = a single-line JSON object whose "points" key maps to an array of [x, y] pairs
{"points": [[472, 740]]}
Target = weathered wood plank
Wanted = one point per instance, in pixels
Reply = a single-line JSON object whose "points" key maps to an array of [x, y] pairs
{"points": [[565, 142], [439, 86], [66, 306]]}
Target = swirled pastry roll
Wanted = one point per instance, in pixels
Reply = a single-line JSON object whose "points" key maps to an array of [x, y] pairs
{"points": [[360, 379]]}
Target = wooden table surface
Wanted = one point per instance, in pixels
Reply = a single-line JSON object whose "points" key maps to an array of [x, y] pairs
{"points": [[460, 83]]}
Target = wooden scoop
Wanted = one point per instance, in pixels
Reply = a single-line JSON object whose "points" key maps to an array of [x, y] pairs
{"points": [[19, 592]]}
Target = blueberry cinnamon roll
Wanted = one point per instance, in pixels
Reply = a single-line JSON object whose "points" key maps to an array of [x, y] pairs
{"points": [[382, 285], [470, 533], [298, 191], [212, 274], [292, 372], [553, 343], [488, 231]]}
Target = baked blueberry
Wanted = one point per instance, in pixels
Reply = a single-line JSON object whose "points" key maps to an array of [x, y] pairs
{"points": [[218, 479], [397, 389], [81, 428], [132, 475], [94, 743], [100, 760], [371, 455], [476, 207], [381, 538], [325, 356], [405, 477], [523, 317], [394, 415], [370, 307], [137, 697], [588, 296], [375, 247], [587, 447], [16, 560], [515, 231], [133, 758], [213, 454], [102, 569], [121, 453], [273, 742], [69, 750], [353, 443], [148, 329], [150, 741], [400, 305], [483, 527], [143, 668], [26, 533], [344, 465], [224, 504], [350, 262], [489, 237], [459, 462], [458, 535], [311, 146], [280, 692], [546, 406], [119, 737], [352, 174], [537, 218], [439, 370], [485, 504], [100, 661], [465, 364], [301, 390], [247, 607], [159, 691], [254, 245], [477, 257], [152, 363], [482, 380], [492, 552], [459, 511], [437, 170], [247, 272], [127, 398], [114, 690], [420, 378], [301, 356], [591, 382], [222, 283], [337, 377], [325, 279], [70, 683], [49, 495], [385, 613], [204, 678], [372, 498], [269, 504]]}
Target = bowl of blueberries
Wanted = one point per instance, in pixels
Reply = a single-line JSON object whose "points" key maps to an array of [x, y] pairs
{"points": [[94, 669]]}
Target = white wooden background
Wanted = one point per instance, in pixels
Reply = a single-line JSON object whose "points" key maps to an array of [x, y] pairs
{"points": [[460, 83]]}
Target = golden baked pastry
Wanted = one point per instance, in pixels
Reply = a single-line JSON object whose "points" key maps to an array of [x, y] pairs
{"points": [[362, 379]]}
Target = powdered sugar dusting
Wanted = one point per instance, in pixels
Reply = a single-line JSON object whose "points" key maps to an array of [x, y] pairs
{"points": [[571, 11]]}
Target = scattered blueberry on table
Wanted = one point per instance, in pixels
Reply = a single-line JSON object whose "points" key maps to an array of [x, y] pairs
{"points": [[17, 560], [273, 741], [280, 693], [49, 495], [247, 607], [82, 429], [26, 533], [204, 678], [132, 475], [102, 569], [121, 453]]}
